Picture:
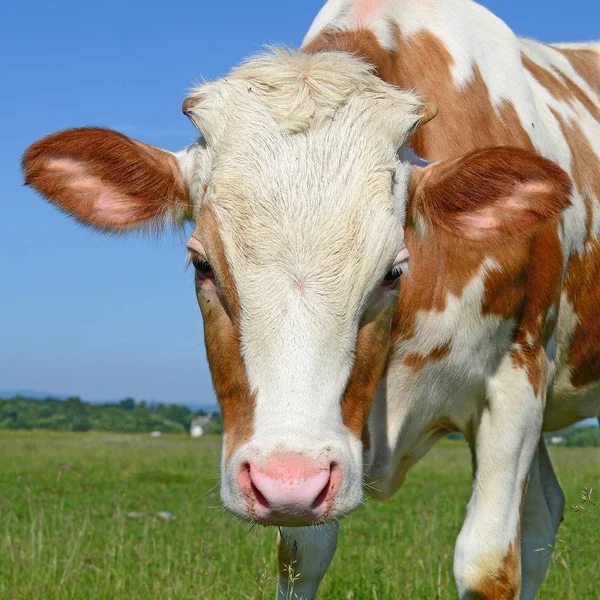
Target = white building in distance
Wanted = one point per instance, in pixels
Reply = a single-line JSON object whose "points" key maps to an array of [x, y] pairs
{"points": [[198, 424]]}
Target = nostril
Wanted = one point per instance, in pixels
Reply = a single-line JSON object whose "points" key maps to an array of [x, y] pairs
{"points": [[249, 487], [259, 496], [324, 493]]}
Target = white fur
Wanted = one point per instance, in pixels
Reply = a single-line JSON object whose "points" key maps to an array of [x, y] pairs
{"points": [[311, 198]]}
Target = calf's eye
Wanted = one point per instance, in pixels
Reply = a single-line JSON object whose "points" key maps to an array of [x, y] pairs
{"points": [[393, 275], [400, 266], [203, 269]]}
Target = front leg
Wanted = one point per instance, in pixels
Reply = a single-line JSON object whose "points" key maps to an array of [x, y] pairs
{"points": [[304, 554], [487, 560]]}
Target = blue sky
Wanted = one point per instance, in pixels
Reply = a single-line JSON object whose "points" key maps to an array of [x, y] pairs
{"points": [[109, 317]]}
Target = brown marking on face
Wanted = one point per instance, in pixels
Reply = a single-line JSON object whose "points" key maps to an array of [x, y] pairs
{"points": [[105, 179], [560, 86], [208, 233], [369, 363], [583, 280], [221, 313], [417, 362], [586, 63]]}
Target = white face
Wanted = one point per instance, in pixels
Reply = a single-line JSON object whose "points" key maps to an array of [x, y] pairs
{"points": [[306, 194]]}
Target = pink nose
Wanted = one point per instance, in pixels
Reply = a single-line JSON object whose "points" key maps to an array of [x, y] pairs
{"points": [[289, 489]]}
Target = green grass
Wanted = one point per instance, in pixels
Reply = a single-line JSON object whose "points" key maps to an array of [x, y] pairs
{"points": [[64, 500]]}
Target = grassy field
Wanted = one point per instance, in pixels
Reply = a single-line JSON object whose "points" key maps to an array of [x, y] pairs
{"points": [[66, 533]]}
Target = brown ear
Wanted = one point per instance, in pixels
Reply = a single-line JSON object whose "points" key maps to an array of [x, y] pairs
{"points": [[490, 195], [106, 179]]}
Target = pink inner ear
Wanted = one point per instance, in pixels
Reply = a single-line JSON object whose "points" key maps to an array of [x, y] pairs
{"points": [[495, 194], [66, 166], [511, 215], [485, 219], [108, 202], [481, 224], [99, 197], [532, 188]]}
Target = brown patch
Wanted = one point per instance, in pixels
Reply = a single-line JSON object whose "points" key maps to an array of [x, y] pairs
{"points": [[560, 86], [535, 365], [222, 339], [78, 168], [583, 281], [360, 42], [417, 362], [505, 583], [540, 292], [586, 63], [370, 359], [467, 119]]}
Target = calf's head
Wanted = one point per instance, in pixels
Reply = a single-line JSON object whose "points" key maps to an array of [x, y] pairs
{"points": [[299, 190]]}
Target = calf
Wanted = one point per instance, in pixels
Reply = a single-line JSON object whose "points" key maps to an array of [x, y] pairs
{"points": [[308, 201]]}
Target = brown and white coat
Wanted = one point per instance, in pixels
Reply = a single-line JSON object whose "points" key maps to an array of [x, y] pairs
{"points": [[307, 189]]}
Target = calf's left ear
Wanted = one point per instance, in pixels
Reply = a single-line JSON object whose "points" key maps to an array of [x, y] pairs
{"points": [[490, 195]]}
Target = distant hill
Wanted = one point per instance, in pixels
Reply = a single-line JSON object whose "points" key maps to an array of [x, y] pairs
{"points": [[36, 394]]}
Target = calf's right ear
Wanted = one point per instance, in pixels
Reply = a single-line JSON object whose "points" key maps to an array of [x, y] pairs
{"points": [[107, 180], [489, 196]]}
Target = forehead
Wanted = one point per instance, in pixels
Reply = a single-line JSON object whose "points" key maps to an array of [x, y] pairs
{"points": [[295, 92], [303, 153]]}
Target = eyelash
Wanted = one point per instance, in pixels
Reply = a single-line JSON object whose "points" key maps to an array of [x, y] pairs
{"points": [[202, 267], [394, 274]]}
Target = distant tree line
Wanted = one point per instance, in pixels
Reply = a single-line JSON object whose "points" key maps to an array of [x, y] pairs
{"points": [[575, 437], [73, 414]]}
